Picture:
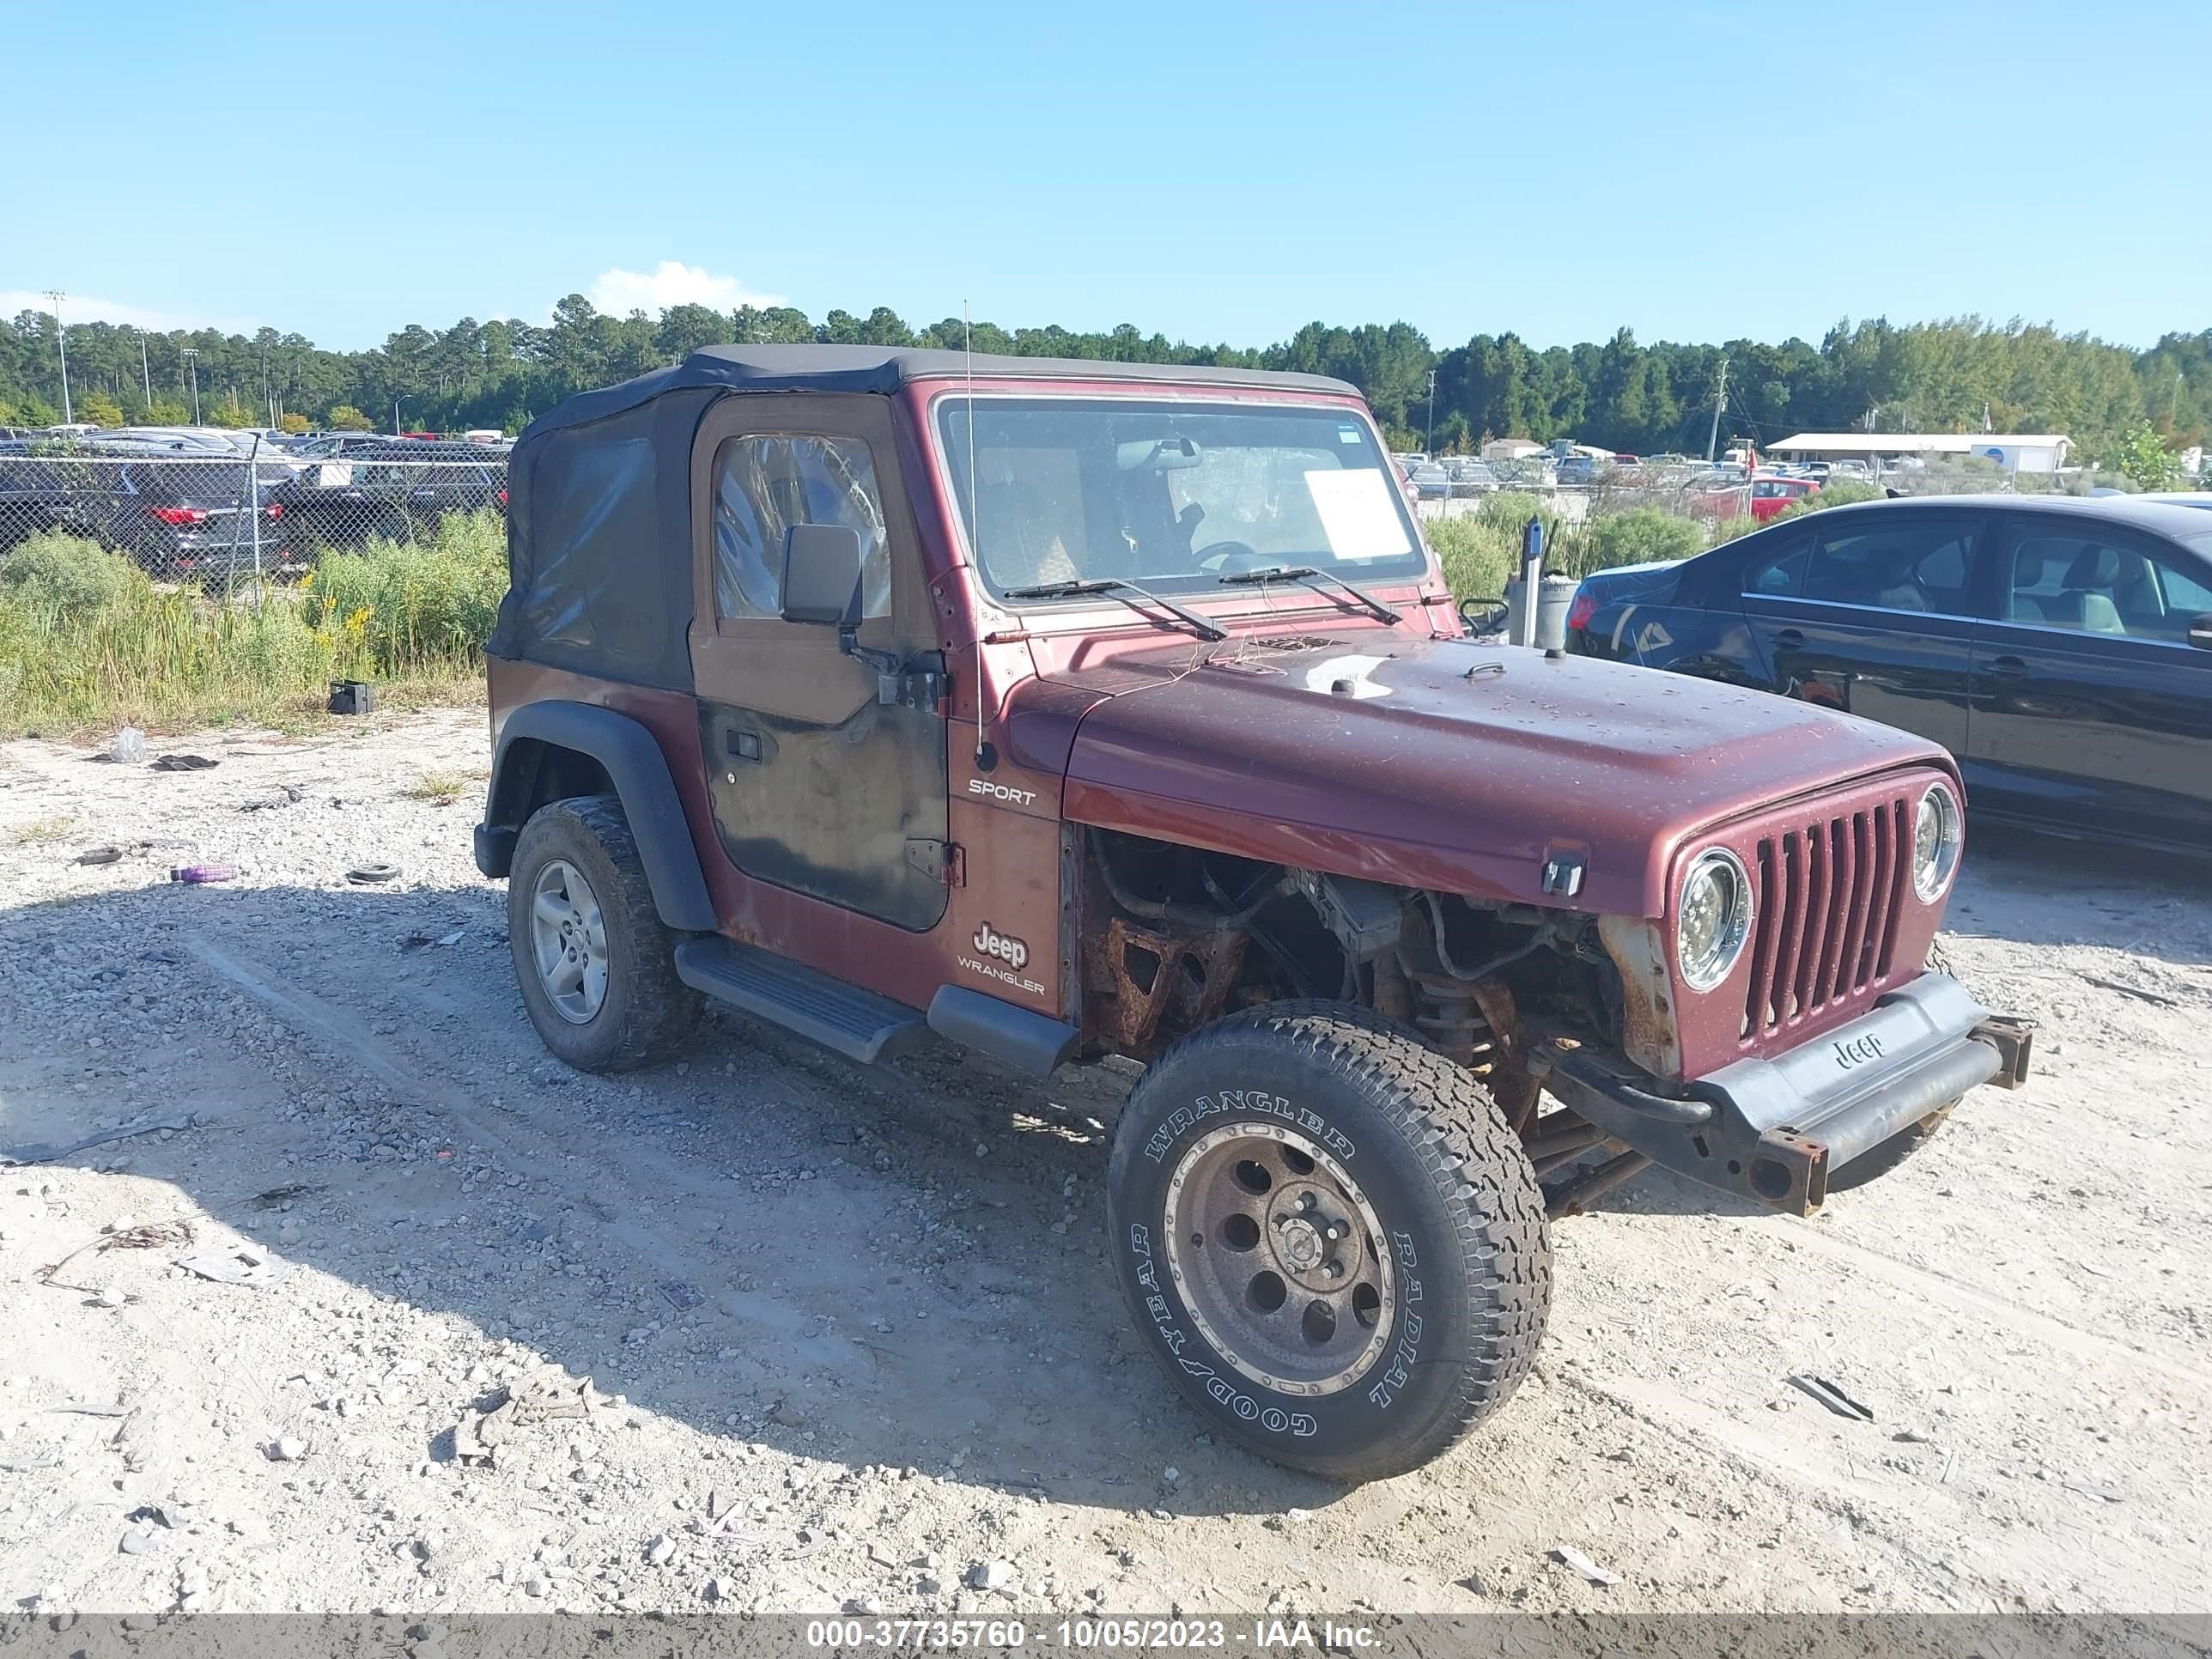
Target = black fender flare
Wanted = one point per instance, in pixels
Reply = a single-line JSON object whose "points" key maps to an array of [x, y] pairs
{"points": [[633, 761]]}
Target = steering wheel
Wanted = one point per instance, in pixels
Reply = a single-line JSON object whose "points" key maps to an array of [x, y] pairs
{"points": [[1218, 557]]}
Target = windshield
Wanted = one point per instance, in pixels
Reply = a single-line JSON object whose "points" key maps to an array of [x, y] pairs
{"points": [[1172, 495]]}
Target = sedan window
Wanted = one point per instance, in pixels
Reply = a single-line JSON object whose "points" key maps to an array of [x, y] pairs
{"points": [[1893, 566], [1780, 574], [2102, 584]]}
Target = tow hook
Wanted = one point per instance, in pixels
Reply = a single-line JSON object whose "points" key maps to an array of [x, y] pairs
{"points": [[2012, 1036]]}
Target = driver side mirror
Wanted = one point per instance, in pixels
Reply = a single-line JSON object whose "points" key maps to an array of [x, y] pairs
{"points": [[1482, 616], [2200, 632], [821, 573]]}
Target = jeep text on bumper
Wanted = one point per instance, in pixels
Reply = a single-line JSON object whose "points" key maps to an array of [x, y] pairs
{"points": [[1774, 1130]]}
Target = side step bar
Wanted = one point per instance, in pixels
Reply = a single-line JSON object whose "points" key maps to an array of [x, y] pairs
{"points": [[861, 1025], [844, 1018]]}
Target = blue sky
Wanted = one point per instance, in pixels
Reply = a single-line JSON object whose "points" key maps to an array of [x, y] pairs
{"points": [[1213, 172]]}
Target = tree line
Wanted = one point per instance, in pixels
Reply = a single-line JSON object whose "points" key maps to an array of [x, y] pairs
{"points": [[1954, 375]]}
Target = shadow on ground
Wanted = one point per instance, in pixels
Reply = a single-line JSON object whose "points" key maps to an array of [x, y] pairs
{"points": [[881, 1266]]}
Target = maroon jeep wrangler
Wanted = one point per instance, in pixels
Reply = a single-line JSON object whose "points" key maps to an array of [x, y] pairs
{"points": [[1063, 709]]}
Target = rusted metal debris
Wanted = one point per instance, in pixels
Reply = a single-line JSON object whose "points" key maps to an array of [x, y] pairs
{"points": [[1144, 985]]}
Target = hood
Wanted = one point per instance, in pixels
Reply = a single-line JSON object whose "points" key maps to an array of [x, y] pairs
{"points": [[1442, 763]]}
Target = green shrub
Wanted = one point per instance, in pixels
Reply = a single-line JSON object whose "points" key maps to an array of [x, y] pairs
{"points": [[1477, 558], [1642, 535], [1842, 493], [2144, 459], [400, 607], [1511, 509], [68, 575], [86, 641]]}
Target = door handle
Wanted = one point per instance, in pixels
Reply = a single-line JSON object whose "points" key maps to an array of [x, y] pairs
{"points": [[745, 746], [2009, 667], [1790, 638]]}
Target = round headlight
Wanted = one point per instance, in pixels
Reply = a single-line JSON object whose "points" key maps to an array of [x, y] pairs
{"points": [[1715, 919], [1938, 831]]}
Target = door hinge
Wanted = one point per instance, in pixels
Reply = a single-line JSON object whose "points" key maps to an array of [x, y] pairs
{"points": [[940, 860], [925, 687]]}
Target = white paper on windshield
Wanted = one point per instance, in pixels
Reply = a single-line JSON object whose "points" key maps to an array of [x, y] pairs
{"points": [[1357, 514]]}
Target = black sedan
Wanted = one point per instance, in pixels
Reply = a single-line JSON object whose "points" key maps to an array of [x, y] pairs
{"points": [[2061, 648], [34, 497], [394, 487]]}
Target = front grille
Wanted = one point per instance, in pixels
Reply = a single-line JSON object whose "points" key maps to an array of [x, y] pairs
{"points": [[1828, 891]]}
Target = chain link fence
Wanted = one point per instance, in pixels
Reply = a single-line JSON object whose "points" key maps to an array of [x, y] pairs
{"points": [[238, 519]]}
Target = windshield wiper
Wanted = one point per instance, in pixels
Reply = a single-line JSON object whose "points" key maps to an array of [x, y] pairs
{"points": [[1311, 577], [1114, 587]]}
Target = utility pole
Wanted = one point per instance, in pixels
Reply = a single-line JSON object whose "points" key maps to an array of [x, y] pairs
{"points": [[1720, 396], [191, 356], [1986, 416], [61, 344], [146, 374]]}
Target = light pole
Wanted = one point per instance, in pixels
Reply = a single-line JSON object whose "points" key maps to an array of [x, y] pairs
{"points": [[1431, 440], [1719, 398], [146, 374], [61, 344], [395, 402], [191, 357]]}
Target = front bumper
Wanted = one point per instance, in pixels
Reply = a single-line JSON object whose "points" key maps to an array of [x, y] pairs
{"points": [[1774, 1130]]}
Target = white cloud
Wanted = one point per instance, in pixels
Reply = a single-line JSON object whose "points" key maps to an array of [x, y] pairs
{"points": [[672, 282], [90, 308]]}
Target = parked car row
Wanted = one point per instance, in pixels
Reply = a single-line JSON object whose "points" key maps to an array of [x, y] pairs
{"points": [[187, 510]]}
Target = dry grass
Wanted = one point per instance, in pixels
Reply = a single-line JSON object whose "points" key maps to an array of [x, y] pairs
{"points": [[443, 788], [39, 832]]}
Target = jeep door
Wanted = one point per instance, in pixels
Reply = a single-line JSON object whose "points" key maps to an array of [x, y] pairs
{"points": [[820, 780]]}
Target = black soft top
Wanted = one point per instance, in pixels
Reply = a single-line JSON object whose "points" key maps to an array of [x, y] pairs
{"points": [[884, 369], [598, 516]]}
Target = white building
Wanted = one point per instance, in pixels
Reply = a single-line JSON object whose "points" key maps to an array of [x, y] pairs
{"points": [[2016, 452]]}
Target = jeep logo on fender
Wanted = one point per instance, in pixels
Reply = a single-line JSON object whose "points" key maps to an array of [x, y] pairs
{"points": [[1004, 946], [1857, 1051]]}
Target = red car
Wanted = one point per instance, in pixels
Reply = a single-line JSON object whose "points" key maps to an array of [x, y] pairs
{"points": [[1769, 495]]}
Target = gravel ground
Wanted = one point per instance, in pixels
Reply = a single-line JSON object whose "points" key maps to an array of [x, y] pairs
{"points": [[850, 1337]]}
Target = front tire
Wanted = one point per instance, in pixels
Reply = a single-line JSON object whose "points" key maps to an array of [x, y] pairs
{"points": [[1330, 1237], [596, 964]]}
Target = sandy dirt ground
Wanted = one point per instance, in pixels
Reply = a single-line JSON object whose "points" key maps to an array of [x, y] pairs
{"points": [[851, 1339]]}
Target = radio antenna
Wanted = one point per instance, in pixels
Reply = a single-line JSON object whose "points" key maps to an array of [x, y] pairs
{"points": [[968, 347], [974, 551]]}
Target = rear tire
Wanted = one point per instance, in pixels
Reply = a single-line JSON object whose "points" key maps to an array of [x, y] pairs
{"points": [[596, 964], [1329, 1237]]}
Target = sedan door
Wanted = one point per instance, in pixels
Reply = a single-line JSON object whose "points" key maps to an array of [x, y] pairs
{"points": [[1867, 612], [2093, 709]]}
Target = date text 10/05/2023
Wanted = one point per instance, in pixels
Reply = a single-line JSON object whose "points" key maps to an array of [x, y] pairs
{"points": [[1089, 1635]]}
